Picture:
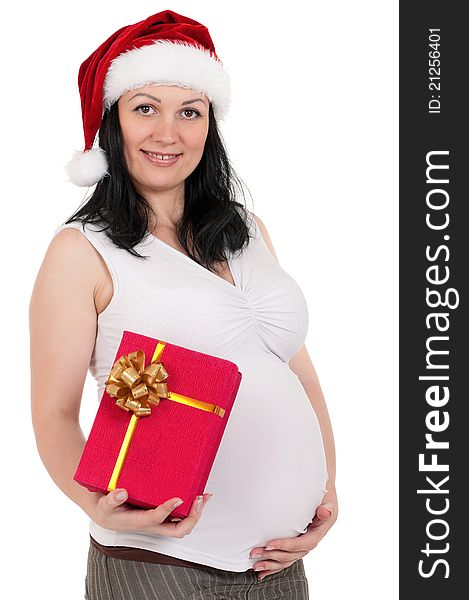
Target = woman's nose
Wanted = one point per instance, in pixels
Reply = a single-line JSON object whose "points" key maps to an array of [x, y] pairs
{"points": [[165, 130]]}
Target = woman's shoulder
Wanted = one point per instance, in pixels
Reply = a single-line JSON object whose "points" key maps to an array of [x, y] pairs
{"points": [[264, 234], [86, 229], [70, 248], [69, 236], [76, 247], [70, 239], [87, 238]]}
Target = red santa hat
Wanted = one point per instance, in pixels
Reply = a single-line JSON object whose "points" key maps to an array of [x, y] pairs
{"points": [[166, 48]]}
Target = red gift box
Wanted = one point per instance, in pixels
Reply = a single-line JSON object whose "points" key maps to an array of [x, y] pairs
{"points": [[169, 450]]}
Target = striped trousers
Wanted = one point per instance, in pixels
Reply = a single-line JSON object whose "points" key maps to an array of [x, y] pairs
{"points": [[109, 578]]}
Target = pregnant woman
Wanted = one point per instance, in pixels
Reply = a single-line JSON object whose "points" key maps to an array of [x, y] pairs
{"points": [[162, 247]]}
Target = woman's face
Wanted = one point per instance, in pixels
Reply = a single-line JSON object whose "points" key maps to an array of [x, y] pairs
{"points": [[162, 119]]}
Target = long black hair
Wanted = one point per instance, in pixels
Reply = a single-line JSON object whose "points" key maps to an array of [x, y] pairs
{"points": [[212, 221]]}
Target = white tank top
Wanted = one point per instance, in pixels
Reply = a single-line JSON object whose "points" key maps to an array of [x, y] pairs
{"points": [[269, 474]]}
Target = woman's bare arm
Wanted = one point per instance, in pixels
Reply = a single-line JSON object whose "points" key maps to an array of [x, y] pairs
{"points": [[63, 321]]}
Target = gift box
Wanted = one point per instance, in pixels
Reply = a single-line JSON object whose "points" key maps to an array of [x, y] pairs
{"points": [[159, 423]]}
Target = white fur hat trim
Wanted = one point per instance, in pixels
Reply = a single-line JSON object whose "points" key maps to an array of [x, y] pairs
{"points": [[167, 62]]}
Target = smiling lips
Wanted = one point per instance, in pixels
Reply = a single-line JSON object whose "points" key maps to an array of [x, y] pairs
{"points": [[164, 160]]}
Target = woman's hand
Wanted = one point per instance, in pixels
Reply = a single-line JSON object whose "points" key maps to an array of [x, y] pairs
{"points": [[281, 553], [111, 512]]}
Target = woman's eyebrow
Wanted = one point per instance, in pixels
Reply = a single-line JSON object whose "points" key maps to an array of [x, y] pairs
{"points": [[158, 99]]}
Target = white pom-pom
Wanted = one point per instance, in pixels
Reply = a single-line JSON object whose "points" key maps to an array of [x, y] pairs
{"points": [[87, 168]]}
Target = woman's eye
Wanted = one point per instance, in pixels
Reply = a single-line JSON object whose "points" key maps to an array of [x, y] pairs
{"points": [[144, 108], [192, 110]]}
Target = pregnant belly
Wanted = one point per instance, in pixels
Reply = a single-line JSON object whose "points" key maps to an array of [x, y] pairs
{"points": [[269, 474]]}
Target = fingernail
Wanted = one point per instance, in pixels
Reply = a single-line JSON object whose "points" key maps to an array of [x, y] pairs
{"points": [[270, 547], [199, 503], [178, 503], [121, 494]]}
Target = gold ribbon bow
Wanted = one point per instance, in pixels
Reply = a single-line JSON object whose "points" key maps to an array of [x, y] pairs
{"points": [[137, 388]]}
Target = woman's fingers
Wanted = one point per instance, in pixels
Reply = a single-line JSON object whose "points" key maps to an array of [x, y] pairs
{"points": [[121, 517], [325, 511], [186, 525], [115, 498]]}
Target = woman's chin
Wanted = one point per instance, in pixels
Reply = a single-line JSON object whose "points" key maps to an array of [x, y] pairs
{"points": [[150, 181]]}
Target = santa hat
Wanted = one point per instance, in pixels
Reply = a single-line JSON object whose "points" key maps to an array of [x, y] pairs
{"points": [[166, 48]]}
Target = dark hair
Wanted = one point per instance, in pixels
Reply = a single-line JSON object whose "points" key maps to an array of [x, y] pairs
{"points": [[212, 218]]}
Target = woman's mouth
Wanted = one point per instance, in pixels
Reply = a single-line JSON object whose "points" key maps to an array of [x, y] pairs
{"points": [[161, 160]]}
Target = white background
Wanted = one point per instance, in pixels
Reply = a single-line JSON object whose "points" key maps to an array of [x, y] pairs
{"points": [[313, 133]]}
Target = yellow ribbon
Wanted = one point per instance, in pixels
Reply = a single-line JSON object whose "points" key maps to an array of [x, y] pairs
{"points": [[137, 388]]}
